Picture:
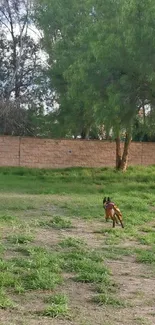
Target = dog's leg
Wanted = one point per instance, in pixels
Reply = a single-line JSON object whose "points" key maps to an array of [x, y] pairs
{"points": [[106, 216], [116, 219], [114, 222], [122, 224], [120, 219]]}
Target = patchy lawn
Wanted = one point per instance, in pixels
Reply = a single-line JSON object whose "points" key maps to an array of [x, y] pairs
{"points": [[61, 263]]}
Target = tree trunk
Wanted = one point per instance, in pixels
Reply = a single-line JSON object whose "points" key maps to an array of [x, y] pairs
{"points": [[144, 115], [122, 159], [85, 133], [118, 153]]}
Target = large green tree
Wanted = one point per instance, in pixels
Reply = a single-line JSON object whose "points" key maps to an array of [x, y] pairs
{"points": [[101, 55]]}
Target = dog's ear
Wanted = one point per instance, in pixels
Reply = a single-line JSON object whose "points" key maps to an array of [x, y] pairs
{"points": [[104, 200], [108, 199]]}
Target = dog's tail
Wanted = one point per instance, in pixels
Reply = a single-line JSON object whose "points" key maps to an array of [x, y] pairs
{"points": [[117, 210], [118, 214]]}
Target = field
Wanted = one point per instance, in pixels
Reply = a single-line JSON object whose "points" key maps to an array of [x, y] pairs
{"points": [[61, 263]]}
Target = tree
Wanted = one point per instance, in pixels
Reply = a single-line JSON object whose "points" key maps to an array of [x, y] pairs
{"points": [[102, 59], [24, 84], [72, 117]]}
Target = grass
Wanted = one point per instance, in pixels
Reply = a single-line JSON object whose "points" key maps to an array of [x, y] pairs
{"points": [[5, 302], [57, 306], [76, 180], [71, 242], [20, 239], [39, 201], [147, 239], [5, 218], [106, 299], [117, 253], [142, 321], [57, 222], [146, 256], [40, 270]]}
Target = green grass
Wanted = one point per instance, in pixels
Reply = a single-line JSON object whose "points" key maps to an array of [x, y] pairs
{"points": [[20, 239], [87, 264], [55, 311], [5, 302], [117, 253], [40, 270], [39, 204], [147, 239], [57, 222], [106, 299], [57, 299], [146, 256], [76, 180], [43, 270], [71, 242], [57, 306], [5, 218]]}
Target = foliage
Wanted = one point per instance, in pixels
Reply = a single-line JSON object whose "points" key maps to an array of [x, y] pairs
{"points": [[24, 90], [101, 64]]}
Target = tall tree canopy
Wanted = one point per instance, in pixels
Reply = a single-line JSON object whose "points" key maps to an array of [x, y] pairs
{"points": [[102, 60]]}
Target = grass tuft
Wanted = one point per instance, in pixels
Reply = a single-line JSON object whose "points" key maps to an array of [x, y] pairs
{"points": [[5, 302], [71, 242], [20, 239], [57, 223], [58, 306], [145, 256], [107, 299]]}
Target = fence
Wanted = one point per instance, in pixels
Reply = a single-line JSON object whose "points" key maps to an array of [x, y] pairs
{"points": [[52, 153]]}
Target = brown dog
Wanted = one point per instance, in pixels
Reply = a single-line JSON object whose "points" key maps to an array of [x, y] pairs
{"points": [[112, 211]]}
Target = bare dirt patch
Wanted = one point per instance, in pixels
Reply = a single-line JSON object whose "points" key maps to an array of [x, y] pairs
{"points": [[48, 237], [83, 230], [137, 287]]}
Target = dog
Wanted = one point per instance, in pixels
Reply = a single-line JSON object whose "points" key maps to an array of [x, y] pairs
{"points": [[112, 212]]}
